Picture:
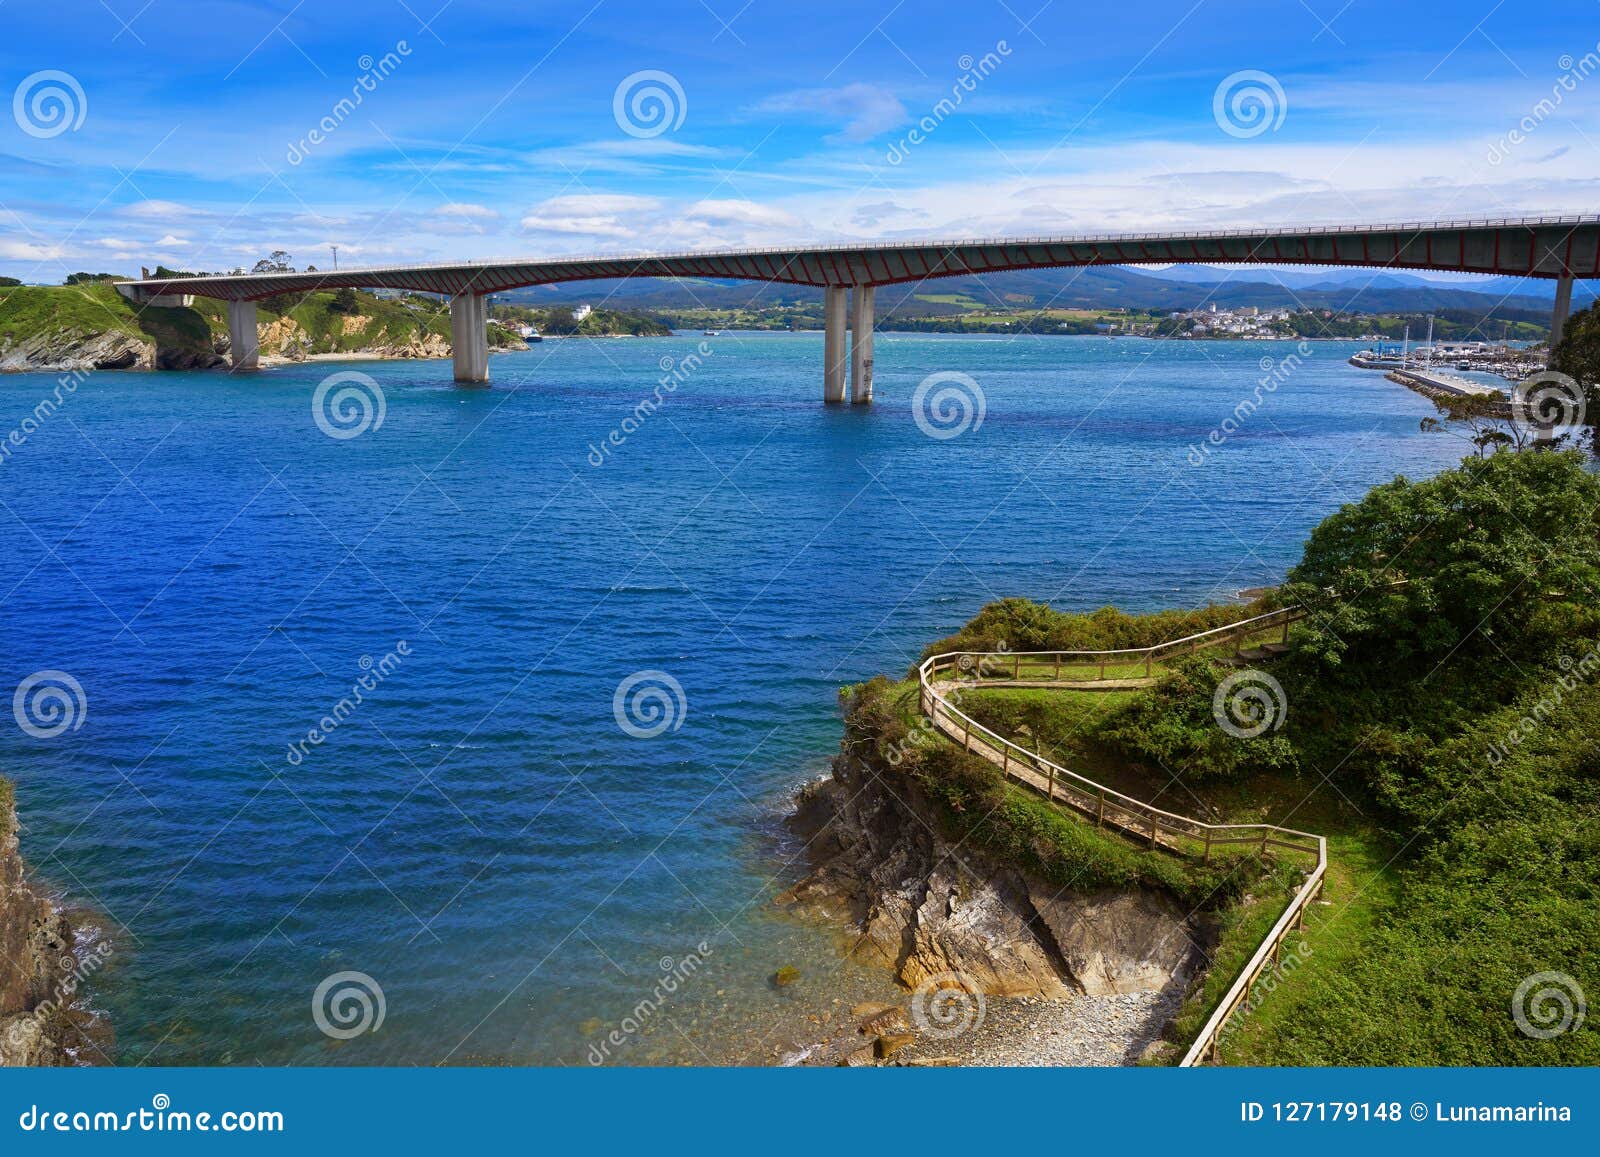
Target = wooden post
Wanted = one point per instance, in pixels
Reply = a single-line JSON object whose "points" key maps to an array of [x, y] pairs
{"points": [[1285, 630], [1100, 814], [1102, 670], [966, 737], [1148, 656], [1206, 858], [1053, 783], [1016, 667], [1154, 838], [1058, 665]]}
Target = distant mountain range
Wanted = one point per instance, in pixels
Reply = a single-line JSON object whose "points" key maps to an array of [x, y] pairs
{"points": [[1347, 289], [1098, 287]]}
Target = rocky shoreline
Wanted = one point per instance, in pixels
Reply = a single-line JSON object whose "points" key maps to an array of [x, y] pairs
{"points": [[1000, 968], [38, 968]]}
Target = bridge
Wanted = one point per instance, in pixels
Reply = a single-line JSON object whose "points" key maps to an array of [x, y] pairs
{"points": [[1559, 248]]}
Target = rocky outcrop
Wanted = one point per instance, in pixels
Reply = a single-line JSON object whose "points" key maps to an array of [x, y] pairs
{"points": [[68, 351], [36, 962], [930, 911]]}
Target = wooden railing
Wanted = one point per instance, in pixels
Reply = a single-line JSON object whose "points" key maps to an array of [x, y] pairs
{"points": [[1178, 833], [1139, 662]]}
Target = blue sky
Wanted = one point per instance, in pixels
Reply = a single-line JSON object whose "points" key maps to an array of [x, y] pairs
{"points": [[212, 132]]}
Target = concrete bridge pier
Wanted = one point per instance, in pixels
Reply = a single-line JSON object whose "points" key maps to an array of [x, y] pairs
{"points": [[1558, 319], [244, 344], [469, 336], [834, 299], [861, 323]]}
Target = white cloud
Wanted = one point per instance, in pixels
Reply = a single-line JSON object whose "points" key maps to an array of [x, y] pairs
{"points": [[605, 216], [158, 210], [865, 109], [172, 242]]}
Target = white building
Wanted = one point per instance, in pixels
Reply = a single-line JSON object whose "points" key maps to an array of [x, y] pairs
{"points": [[582, 312]]}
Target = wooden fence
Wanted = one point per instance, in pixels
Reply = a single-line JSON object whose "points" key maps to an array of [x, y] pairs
{"points": [[939, 676]]}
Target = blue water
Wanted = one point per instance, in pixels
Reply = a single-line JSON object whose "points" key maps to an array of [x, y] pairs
{"points": [[479, 835]]}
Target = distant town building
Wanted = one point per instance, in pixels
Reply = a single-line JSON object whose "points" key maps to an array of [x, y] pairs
{"points": [[582, 312]]}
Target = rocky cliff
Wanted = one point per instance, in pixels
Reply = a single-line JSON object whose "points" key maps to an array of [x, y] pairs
{"points": [[36, 961], [932, 911]]}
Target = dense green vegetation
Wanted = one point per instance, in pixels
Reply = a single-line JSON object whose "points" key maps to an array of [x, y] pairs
{"points": [[979, 808], [1437, 721], [94, 307], [322, 322]]}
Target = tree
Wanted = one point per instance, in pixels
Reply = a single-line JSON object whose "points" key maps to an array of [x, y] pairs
{"points": [[345, 301], [1577, 355], [275, 262], [1487, 416], [1498, 556]]}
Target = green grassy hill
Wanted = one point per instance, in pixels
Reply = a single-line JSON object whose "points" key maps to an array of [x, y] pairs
{"points": [[1437, 721]]}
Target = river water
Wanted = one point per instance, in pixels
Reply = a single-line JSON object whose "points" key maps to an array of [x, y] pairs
{"points": [[478, 837]]}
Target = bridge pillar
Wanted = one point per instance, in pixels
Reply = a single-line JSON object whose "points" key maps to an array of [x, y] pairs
{"points": [[1558, 319], [834, 299], [861, 322], [469, 336], [244, 345]]}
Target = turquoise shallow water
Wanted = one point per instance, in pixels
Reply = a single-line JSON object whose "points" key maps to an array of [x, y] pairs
{"points": [[479, 835]]}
